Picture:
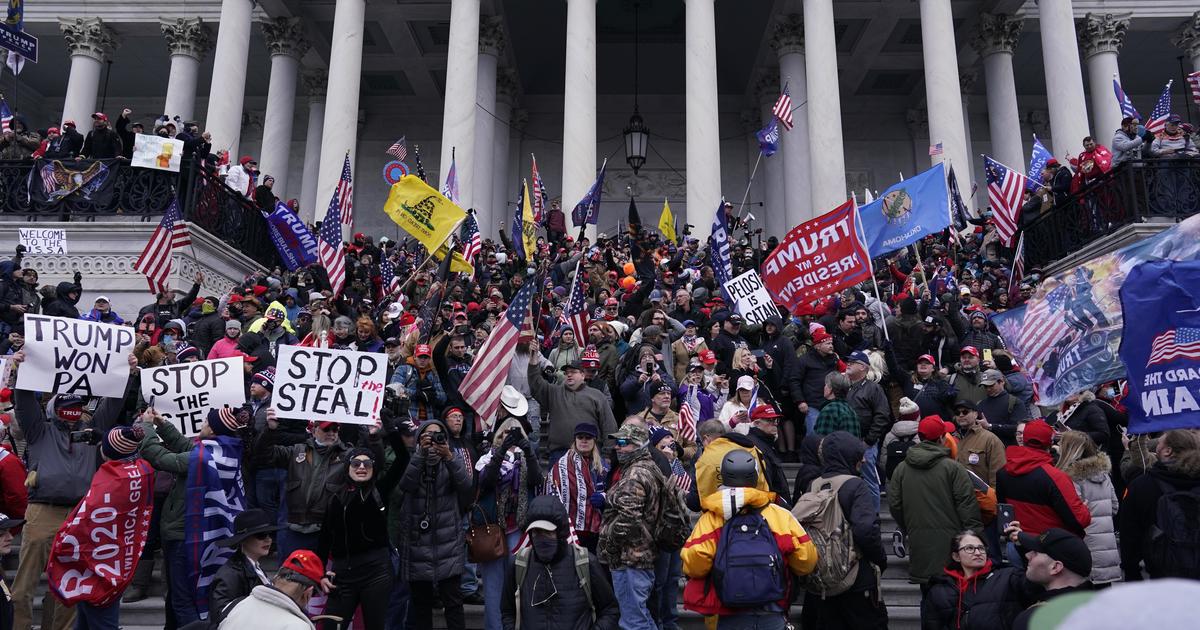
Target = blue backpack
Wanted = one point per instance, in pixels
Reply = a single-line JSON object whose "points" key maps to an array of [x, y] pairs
{"points": [[749, 570]]}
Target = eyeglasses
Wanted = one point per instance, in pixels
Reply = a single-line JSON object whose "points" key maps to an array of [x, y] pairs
{"points": [[623, 442], [975, 549], [362, 463], [962, 412]]}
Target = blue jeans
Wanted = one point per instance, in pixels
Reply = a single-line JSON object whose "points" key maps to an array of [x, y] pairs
{"points": [[470, 576], [397, 612], [181, 589], [667, 571], [632, 588], [89, 617], [810, 420], [288, 541], [870, 473], [752, 621], [492, 574], [268, 489]]}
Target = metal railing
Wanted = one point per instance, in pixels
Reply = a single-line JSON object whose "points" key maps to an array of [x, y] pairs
{"points": [[1136, 191]]}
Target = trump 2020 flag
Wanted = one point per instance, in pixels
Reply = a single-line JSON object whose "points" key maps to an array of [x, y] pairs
{"points": [[1160, 345], [719, 248], [1037, 162], [906, 212]]}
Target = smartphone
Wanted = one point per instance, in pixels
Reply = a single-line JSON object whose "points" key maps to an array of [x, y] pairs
{"points": [[758, 354], [1004, 515], [987, 356]]}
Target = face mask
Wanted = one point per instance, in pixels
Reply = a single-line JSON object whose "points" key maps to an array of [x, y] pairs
{"points": [[1108, 393], [207, 308], [625, 458], [545, 548], [168, 339]]}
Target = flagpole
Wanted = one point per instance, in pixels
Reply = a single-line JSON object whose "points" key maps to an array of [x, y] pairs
{"points": [[431, 253], [745, 195], [862, 240]]}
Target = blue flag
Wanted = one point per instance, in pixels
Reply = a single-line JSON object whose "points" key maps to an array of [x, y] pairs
{"points": [[213, 497], [1160, 345], [768, 138], [906, 212], [1037, 162], [296, 244], [588, 208], [719, 247], [516, 227], [1127, 108]]}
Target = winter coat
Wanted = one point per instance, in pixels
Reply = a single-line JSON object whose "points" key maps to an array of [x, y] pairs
{"points": [[21, 146], [988, 600], [1139, 509], [436, 493], [168, 450], [206, 331], [233, 580], [773, 471], [1181, 144], [681, 356], [102, 144], [315, 474], [935, 396], [903, 429], [932, 499], [967, 384], [565, 408], [1042, 496], [62, 305], [1087, 417], [64, 468], [1094, 485], [982, 453], [104, 317], [267, 607], [425, 393], [1126, 148], [14, 496], [1004, 412], [907, 335], [631, 519], [842, 453], [874, 412]]}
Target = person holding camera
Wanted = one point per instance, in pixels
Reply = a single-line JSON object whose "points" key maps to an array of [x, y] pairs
{"points": [[62, 453], [422, 387]]}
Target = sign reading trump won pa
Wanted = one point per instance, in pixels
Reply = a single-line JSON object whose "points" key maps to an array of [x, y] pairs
{"points": [[73, 356], [326, 384], [185, 392]]}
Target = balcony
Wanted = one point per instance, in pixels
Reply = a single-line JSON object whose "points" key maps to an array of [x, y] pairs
{"points": [[1127, 204]]}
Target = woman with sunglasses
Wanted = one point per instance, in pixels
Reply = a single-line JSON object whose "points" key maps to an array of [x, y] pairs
{"points": [[253, 532], [971, 594]]}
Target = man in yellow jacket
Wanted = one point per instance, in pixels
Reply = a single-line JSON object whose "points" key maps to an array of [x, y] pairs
{"points": [[739, 493]]}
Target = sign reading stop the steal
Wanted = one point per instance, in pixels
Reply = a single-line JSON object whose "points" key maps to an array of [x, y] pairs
{"points": [[326, 384]]}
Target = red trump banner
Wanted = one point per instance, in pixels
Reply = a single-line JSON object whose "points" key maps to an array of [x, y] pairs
{"points": [[817, 258]]}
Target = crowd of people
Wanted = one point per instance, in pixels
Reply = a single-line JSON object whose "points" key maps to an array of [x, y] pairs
{"points": [[655, 448]]}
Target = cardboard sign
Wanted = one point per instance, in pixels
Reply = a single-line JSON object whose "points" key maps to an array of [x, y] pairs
{"points": [[73, 356], [185, 392], [325, 384], [39, 241], [155, 152], [750, 298]]}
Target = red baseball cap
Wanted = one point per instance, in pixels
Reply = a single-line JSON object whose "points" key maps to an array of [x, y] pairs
{"points": [[928, 358], [1038, 434], [932, 428], [423, 350], [969, 350], [764, 412], [100, 116], [327, 425], [307, 564], [820, 335], [708, 357]]}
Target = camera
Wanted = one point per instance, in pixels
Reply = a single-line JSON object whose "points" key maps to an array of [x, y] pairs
{"points": [[87, 436], [395, 404], [648, 367], [438, 438]]}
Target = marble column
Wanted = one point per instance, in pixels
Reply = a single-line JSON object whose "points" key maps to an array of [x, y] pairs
{"points": [[516, 152], [228, 91], [91, 43], [943, 91], [967, 173], [314, 86], [1187, 39], [703, 127], [788, 43], [340, 133], [579, 108], [772, 168], [1064, 77], [287, 44], [1101, 36], [506, 94], [458, 111], [491, 47], [995, 40], [827, 157], [188, 39]]}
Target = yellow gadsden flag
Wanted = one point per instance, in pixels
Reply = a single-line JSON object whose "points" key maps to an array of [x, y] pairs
{"points": [[457, 262], [422, 211], [666, 223], [528, 226]]}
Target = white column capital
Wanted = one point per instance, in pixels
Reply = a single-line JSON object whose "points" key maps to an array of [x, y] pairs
{"points": [[89, 37], [187, 36], [491, 36], [766, 89], [1101, 32], [315, 81], [1187, 38], [967, 78], [789, 35], [996, 33], [285, 36], [518, 120], [507, 88]]}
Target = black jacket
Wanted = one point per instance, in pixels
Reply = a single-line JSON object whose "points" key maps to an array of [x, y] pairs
{"points": [[102, 144], [808, 378], [62, 305], [842, 453], [232, 581], [127, 137], [72, 144], [988, 601], [1089, 418], [783, 357], [776, 477], [1139, 509], [206, 331], [724, 345], [436, 493]]}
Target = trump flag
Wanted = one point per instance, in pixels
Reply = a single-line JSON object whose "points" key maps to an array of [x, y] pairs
{"points": [[907, 212], [817, 258]]}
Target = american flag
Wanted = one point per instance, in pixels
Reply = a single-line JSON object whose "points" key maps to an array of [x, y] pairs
{"points": [[470, 238], [539, 194], [687, 421], [679, 476], [575, 314], [1193, 80], [6, 116], [783, 108], [387, 270], [1044, 325], [1162, 111], [399, 149], [1127, 108], [936, 150], [344, 193], [155, 261], [481, 387], [329, 244], [450, 188], [1175, 343], [1005, 191], [1018, 271]]}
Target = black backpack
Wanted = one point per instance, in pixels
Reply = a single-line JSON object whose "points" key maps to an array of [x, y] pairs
{"points": [[896, 450], [749, 570], [1174, 547]]}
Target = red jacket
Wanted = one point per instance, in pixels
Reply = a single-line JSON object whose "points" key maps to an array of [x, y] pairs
{"points": [[1042, 496], [14, 497]]}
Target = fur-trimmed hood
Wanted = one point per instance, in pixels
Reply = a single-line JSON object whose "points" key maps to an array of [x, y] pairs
{"points": [[1089, 467]]}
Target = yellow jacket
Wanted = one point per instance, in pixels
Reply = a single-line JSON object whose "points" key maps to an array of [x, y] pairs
{"points": [[708, 466], [701, 547]]}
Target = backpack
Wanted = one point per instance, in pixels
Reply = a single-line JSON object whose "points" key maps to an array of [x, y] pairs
{"points": [[896, 450], [1174, 544], [820, 513], [673, 527], [582, 572], [749, 570]]}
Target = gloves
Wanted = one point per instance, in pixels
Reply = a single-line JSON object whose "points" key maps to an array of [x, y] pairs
{"points": [[599, 500]]}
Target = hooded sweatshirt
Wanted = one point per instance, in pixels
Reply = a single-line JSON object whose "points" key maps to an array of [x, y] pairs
{"points": [[1139, 510], [1042, 496], [64, 468]]}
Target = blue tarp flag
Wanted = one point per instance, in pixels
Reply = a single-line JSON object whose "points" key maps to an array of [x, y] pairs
{"points": [[296, 244], [1037, 162], [768, 137], [588, 208], [1160, 345], [213, 497], [906, 212], [722, 268]]}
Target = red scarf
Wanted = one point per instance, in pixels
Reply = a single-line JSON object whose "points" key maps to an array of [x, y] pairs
{"points": [[962, 582], [95, 553], [571, 481]]}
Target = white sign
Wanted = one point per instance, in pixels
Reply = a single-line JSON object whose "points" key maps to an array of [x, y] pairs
{"points": [[73, 356], [750, 298], [324, 384], [40, 241], [163, 154], [184, 393]]}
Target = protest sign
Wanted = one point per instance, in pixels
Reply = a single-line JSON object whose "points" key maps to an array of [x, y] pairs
{"points": [[817, 258], [325, 384], [73, 356], [750, 298], [156, 152], [40, 241], [184, 392]]}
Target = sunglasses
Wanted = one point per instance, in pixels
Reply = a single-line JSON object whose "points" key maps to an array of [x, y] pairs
{"points": [[362, 463], [962, 412], [623, 442], [264, 535]]}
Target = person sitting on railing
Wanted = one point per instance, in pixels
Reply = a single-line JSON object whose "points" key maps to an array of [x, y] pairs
{"points": [[1130, 141], [57, 146], [1173, 142], [1056, 179], [102, 142], [18, 142]]}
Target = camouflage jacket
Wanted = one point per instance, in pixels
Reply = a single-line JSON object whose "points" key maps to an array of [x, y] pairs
{"points": [[634, 503]]}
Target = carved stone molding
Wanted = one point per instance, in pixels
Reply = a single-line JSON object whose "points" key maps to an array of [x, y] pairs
{"points": [[315, 82], [89, 37], [917, 119], [491, 36], [996, 33], [789, 35], [518, 119], [215, 283], [766, 89], [1102, 32], [967, 78], [507, 88], [285, 36], [1187, 38], [649, 184], [190, 37]]}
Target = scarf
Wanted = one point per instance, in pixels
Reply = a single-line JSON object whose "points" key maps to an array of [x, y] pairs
{"points": [[571, 481], [690, 343], [510, 484], [214, 495]]}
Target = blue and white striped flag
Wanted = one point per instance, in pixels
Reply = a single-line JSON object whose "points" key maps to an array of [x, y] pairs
{"points": [[1127, 108]]}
